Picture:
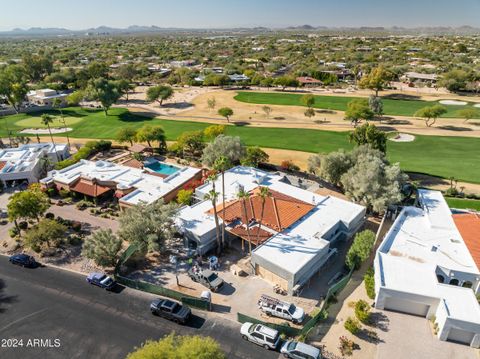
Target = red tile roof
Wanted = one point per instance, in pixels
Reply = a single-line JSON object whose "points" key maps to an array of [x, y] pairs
{"points": [[280, 211], [2, 164], [241, 232], [308, 80], [468, 225], [133, 163], [88, 188]]}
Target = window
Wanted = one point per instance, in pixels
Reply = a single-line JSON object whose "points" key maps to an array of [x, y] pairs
{"points": [[453, 281], [440, 278], [467, 284], [258, 336]]}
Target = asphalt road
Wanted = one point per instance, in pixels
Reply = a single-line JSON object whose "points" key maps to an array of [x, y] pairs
{"points": [[57, 314]]}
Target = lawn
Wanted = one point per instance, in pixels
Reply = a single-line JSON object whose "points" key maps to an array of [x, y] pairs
{"points": [[461, 203], [339, 103], [441, 156]]}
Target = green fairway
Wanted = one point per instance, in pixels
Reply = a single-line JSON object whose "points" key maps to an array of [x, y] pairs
{"points": [[339, 103], [461, 203], [440, 156]]}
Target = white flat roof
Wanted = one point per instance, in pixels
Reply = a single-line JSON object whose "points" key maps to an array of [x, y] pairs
{"points": [[419, 241], [148, 188], [25, 157], [295, 246]]}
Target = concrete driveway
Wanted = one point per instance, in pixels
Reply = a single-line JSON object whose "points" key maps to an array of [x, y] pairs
{"points": [[407, 336]]}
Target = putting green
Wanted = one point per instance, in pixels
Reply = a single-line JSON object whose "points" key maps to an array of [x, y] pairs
{"points": [[36, 122]]}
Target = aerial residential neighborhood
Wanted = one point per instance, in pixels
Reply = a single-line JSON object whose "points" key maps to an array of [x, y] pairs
{"points": [[234, 179]]}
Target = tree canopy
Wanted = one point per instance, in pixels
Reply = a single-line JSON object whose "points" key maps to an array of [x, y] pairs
{"points": [[148, 134], [226, 112], [377, 79], [159, 93], [29, 204], [103, 247], [369, 134], [431, 113], [104, 91], [227, 146], [358, 110], [360, 249]]}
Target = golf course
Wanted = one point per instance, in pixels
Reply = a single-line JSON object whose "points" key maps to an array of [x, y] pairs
{"points": [[439, 156], [393, 107]]}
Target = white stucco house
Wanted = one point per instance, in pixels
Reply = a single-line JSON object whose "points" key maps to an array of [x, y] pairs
{"points": [[427, 265]]}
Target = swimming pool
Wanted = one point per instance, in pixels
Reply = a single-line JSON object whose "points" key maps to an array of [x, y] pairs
{"points": [[162, 168]]}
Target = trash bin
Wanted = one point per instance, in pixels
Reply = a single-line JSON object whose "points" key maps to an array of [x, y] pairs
{"points": [[207, 297]]}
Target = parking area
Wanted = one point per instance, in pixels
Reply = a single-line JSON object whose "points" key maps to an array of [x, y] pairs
{"points": [[413, 335]]}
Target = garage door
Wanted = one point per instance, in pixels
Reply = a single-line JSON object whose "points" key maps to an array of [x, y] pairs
{"points": [[271, 277], [460, 336], [407, 306]]}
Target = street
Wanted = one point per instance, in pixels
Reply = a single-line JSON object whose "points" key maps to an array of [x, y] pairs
{"points": [[51, 313]]}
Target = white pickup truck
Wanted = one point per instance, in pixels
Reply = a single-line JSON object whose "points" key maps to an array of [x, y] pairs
{"points": [[278, 308]]}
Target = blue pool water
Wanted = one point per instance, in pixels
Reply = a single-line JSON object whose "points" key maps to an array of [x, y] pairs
{"points": [[162, 168]]}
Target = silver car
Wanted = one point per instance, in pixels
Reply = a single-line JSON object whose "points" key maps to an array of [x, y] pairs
{"points": [[297, 350]]}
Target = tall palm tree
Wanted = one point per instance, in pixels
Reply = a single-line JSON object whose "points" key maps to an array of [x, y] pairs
{"points": [[263, 193], [221, 165], [47, 120], [212, 196], [57, 103], [244, 196]]}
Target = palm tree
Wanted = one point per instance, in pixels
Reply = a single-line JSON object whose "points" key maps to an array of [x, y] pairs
{"points": [[57, 103], [221, 165], [244, 196], [47, 120], [212, 196], [263, 193]]}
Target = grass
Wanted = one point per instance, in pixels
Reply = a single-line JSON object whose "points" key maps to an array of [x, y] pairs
{"points": [[440, 156], [461, 203], [391, 107]]}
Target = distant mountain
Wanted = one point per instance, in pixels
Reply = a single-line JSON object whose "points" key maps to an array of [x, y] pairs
{"points": [[137, 29]]}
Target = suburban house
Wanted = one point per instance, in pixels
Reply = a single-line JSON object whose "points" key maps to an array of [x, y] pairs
{"points": [[427, 265], [419, 77], [130, 185], [292, 236], [307, 81], [45, 97], [28, 162]]}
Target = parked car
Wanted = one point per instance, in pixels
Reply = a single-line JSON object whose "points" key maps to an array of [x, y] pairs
{"points": [[261, 335], [207, 278], [24, 260], [170, 310], [297, 350], [278, 308], [102, 280]]}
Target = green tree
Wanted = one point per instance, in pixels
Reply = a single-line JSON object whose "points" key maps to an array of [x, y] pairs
{"points": [[103, 247], [46, 232], [264, 193], [75, 98], [159, 93], [369, 134], [376, 105], [376, 80], [149, 134], [244, 196], [431, 113], [358, 110], [308, 100], [286, 81], [360, 249], [362, 311], [454, 80], [29, 204], [309, 112], [211, 103], [124, 87], [226, 146], [369, 280], [104, 91], [126, 134], [254, 156], [212, 132], [221, 165], [212, 196], [184, 347], [226, 112], [149, 225], [331, 166], [190, 144], [468, 113], [13, 85], [127, 72], [184, 197], [267, 110], [47, 120]]}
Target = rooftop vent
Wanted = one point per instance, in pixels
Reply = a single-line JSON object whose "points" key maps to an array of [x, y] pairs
{"points": [[434, 248]]}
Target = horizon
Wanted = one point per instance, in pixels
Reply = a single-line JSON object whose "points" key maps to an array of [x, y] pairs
{"points": [[213, 14]]}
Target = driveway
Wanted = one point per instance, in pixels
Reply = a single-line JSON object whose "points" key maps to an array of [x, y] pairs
{"points": [[74, 214], [407, 336]]}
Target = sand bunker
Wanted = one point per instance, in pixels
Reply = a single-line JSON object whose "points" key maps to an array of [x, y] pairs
{"points": [[44, 131], [402, 137], [453, 102]]}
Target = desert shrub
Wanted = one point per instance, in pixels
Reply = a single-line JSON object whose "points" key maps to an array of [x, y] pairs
{"points": [[50, 215], [288, 165], [346, 346], [13, 232], [451, 192], [362, 311], [74, 240], [64, 193], [369, 280], [76, 226], [184, 197], [23, 225], [51, 192], [360, 249], [352, 325]]}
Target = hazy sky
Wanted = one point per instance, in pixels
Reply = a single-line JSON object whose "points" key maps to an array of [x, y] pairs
{"points": [[84, 14]]}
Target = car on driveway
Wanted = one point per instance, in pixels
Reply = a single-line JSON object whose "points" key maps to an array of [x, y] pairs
{"points": [[101, 280], [207, 278], [170, 310], [261, 335], [297, 350], [23, 260]]}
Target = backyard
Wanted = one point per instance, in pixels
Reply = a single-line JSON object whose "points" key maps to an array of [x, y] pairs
{"points": [[393, 107], [435, 155]]}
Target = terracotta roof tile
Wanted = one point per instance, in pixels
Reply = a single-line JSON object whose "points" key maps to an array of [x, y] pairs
{"points": [[88, 188], [2, 164], [468, 225], [133, 163], [241, 231]]}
